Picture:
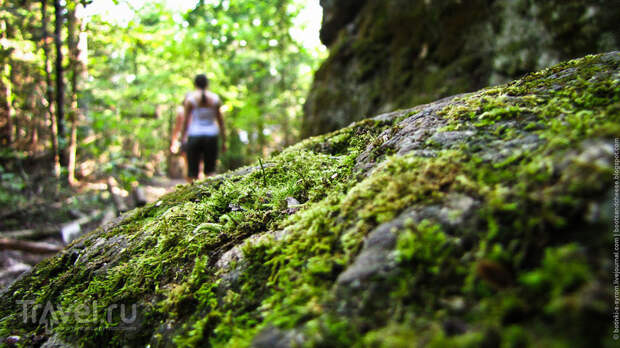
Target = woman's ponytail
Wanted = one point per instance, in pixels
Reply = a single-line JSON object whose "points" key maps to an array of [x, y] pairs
{"points": [[201, 81]]}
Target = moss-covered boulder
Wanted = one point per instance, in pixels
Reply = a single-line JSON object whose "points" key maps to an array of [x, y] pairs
{"points": [[400, 53], [480, 220]]}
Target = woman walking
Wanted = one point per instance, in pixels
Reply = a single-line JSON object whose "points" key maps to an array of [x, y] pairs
{"points": [[202, 127]]}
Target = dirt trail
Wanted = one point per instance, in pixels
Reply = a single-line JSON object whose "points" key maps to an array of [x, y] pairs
{"points": [[160, 186]]}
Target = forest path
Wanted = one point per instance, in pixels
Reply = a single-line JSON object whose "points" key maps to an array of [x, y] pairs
{"points": [[159, 186]]}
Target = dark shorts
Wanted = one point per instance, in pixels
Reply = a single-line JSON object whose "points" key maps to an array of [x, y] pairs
{"points": [[201, 147]]}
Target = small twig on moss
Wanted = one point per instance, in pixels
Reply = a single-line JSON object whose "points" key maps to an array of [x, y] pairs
{"points": [[263, 171]]}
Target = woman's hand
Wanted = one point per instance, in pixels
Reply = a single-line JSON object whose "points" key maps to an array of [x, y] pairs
{"points": [[175, 147]]}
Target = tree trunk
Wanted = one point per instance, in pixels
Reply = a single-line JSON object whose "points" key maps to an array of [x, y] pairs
{"points": [[74, 29], [34, 121], [260, 131], [6, 122], [6, 136], [49, 94], [60, 85], [285, 121], [71, 165]]}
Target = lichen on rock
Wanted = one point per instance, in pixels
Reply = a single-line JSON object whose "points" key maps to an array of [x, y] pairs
{"points": [[479, 220]]}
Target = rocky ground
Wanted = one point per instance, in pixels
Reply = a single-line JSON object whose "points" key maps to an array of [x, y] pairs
{"points": [[480, 220]]}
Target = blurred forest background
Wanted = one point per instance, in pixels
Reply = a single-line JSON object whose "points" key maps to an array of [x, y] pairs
{"points": [[89, 88]]}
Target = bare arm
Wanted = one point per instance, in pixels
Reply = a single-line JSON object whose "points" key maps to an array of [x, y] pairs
{"points": [[188, 115], [178, 123], [175, 142], [220, 123]]}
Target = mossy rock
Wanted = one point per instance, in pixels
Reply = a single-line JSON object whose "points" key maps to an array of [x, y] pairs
{"points": [[480, 220], [385, 55]]}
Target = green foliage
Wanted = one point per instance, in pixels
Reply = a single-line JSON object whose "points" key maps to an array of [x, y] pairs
{"points": [[11, 185], [245, 49]]}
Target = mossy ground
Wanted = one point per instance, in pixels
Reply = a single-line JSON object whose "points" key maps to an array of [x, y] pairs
{"points": [[527, 266]]}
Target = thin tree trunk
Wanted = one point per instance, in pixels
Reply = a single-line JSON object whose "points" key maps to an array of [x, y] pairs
{"points": [[34, 138], [260, 131], [286, 127], [34, 121], [60, 85], [48, 91], [7, 129], [74, 28], [72, 154], [6, 123]]}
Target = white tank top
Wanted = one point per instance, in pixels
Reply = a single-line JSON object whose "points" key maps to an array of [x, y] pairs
{"points": [[203, 119]]}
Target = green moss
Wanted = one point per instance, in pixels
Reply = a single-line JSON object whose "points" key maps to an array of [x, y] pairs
{"points": [[517, 270]]}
